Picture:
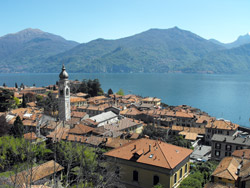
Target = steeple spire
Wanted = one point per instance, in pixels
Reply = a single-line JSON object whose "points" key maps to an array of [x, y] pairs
{"points": [[63, 74]]}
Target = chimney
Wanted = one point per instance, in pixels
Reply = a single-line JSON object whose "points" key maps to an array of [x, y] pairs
{"points": [[67, 137], [238, 170], [149, 147], [134, 146]]}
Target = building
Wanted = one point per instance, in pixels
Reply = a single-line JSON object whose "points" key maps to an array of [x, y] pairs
{"points": [[42, 173], [64, 95], [152, 100], [223, 146], [145, 163], [231, 172], [105, 118], [77, 101], [222, 127], [125, 125]]}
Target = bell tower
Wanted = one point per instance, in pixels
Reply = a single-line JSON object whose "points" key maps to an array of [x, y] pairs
{"points": [[64, 95]]}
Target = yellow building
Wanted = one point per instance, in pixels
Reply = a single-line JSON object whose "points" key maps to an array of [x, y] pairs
{"points": [[144, 163], [152, 100], [233, 171]]}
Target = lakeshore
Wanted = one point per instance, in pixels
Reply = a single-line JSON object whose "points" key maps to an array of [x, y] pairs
{"points": [[221, 96]]}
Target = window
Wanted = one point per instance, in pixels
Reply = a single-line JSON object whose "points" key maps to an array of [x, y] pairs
{"points": [[228, 147], [156, 180], [227, 132], [217, 145], [67, 91], [225, 153], [217, 153], [186, 167], [175, 178], [180, 173], [135, 175], [209, 130]]}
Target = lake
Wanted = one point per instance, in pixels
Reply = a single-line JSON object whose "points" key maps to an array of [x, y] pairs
{"points": [[223, 96]]}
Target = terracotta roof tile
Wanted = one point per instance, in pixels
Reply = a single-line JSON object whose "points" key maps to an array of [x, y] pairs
{"points": [[80, 129], [227, 169], [38, 172], [30, 136], [222, 124], [77, 99], [161, 154], [241, 153]]}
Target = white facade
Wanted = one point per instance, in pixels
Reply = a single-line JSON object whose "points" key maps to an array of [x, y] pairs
{"points": [[64, 96]]}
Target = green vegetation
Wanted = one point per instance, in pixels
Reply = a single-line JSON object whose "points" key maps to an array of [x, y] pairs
{"points": [[27, 48], [7, 100], [120, 92], [17, 130], [92, 87], [110, 92], [84, 164], [200, 174], [14, 151], [50, 104], [155, 50]]}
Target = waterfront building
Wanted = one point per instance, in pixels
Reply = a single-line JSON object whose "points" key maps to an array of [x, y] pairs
{"points": [[222, 127]]}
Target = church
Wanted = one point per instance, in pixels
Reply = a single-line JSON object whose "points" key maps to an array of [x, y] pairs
{"points": [[64, 96]]}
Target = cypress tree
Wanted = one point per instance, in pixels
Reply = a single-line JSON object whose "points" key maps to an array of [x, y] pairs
{"points": [[24, 104]]}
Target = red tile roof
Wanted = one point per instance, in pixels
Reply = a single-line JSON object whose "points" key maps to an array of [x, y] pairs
{"points": [[80, 129], [161, 154]]}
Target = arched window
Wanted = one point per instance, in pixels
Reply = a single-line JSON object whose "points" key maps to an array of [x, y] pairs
{"points": [[135, 175], [67, 91], [156, 180]]}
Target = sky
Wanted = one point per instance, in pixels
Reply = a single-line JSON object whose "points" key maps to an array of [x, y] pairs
{"points": [[86, 20]]}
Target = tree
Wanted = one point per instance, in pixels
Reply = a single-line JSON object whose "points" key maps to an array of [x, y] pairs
{"points": [[24, 103], [54, 88], [4, 126], [120, 92], [17, 129], [85, 166], [110, 92], [190, 183], [22, 86], [4, 85], [50, 104], [17, 102], [16, 86], [39, 100], [6, 100]]}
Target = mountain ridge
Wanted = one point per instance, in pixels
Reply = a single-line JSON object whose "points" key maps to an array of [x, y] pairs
{"points": [[154, 50]]}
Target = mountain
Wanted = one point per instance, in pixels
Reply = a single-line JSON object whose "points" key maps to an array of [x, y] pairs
{"points": [[23, 51], [155, 50], [234, 60], [241, 40]]}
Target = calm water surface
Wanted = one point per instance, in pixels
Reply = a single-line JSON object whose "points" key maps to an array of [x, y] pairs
{"points": [[222, 96]]}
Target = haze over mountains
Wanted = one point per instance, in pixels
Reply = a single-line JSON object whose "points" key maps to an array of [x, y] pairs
{"points": [[155, 50]]}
